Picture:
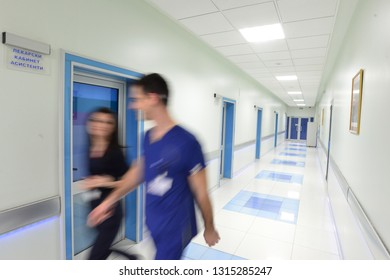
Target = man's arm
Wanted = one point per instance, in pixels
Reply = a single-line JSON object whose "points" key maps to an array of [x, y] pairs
{"points": [[133, 177], [198, 184]]}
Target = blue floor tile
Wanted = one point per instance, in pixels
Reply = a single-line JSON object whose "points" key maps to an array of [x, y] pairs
{"points": [[288, 162], [296, 149], [260, 195], [212, 254], [267, 206], [232, 207], [293, 155], [271, 208], [239, 202], [280, 177], [237, 258], [255, 202], [194, 251]]}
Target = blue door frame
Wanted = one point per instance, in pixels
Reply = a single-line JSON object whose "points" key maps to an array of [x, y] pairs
{"points": [[276, 129], [258, 132], [287, 127], [134, 210], [228, 148]]}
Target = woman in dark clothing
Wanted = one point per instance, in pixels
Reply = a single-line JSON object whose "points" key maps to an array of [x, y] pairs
{"points": [[106, 164]]}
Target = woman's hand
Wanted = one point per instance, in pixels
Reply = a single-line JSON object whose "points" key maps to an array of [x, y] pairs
{"points": [[94, 182], [98, 215]]}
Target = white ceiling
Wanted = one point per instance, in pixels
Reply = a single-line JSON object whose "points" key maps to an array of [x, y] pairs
{"points": [[307, 24]]}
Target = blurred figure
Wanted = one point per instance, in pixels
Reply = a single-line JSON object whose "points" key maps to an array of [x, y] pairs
{"points": [[106, 164], [173, 168]]}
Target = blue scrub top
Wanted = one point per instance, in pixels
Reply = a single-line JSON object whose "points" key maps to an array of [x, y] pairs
{"points": [[170, 209]]}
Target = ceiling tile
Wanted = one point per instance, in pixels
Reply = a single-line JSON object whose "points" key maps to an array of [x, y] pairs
{"points": [[307, 28], [309, 74], [283, 70], [235, 50], [251, 65], [308, 42], [207, 24], [264, 76], [309, 67], [244, 58], [182, 9], [274, 56], [318, 52], [251, 16], [309, 61], [278, 63], [294, 10], [224, 38], [230, 4], [293, 85], [273, 46], [252, 71]]}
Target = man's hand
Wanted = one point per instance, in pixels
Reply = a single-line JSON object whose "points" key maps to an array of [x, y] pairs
{"points": [[211, 236], [98, 215], [94, 182]]}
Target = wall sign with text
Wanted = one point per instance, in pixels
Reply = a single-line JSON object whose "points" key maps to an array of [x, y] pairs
{"points": [[28, 61]]}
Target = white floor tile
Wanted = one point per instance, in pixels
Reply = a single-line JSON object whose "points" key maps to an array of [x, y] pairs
{"points": [[316, 239], [230, 239], [232, 220], [303, 253], [273, 229], [256, 247]]}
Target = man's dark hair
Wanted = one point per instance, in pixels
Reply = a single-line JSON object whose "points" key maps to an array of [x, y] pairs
{"points": [[154, 83]]}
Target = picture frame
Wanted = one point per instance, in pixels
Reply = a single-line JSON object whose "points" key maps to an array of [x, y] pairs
{"points": [[356, 102], [323, 116]]}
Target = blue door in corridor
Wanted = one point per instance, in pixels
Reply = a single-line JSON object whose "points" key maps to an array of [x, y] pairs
{"points": [[294, 128], [227, 139], [304, 122]]}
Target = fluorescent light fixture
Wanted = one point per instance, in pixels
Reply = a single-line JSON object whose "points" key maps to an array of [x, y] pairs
{"points": [[299, 100], [294, 92], [301, 104], [263, 33], [287, 78]]}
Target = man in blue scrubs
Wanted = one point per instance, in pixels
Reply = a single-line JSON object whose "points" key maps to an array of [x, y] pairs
{"points": [[173, 168]]}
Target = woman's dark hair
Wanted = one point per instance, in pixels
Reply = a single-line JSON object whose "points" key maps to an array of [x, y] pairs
{"points": [[114, 139]]}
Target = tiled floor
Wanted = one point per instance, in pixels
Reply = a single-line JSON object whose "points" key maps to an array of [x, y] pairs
{"points": [[275, 209]]}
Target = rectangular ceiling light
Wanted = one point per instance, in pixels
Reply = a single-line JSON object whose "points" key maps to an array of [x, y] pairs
{"points": [[301, 104], [263, 33], [299, 100], [287, 78], [294, 92]]}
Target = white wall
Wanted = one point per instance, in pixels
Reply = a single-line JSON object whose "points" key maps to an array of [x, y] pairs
{"points": [[304, 113], [129, 34], [363, 159]]}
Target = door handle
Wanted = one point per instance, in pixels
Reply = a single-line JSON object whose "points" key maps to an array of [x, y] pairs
{"points": [[75, 169]]}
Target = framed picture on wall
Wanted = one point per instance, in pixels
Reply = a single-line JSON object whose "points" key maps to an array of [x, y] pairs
{"points": [[323, 116], [356, 102]]}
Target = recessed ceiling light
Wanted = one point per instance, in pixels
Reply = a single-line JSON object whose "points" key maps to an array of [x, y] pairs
{"points": [[299, 100], [301, 104], [287, 78], [294, 92], [263, 33]]}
